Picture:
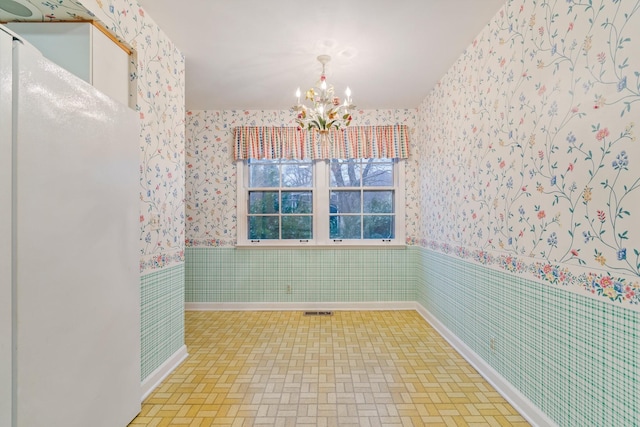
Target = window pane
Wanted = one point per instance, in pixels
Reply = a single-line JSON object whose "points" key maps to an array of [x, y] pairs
{"points": [[297, 227], [345, 173], [264, 174], [377, 173], [264, 227], [378, 201], [345, 227], [345, 202], [297, 202], [263, 202], [297, 174], [378, 227]]}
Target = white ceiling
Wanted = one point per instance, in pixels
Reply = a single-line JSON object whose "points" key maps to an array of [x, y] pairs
{"points": [[253, 54]]}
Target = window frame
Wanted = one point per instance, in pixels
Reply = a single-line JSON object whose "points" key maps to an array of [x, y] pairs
{"points": [[321, 201]]}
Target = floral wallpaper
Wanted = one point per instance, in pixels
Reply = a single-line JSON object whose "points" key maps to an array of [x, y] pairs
{"points": [[211, 171], [529, 143], [159, 80], [157, 88], [45, 11]]}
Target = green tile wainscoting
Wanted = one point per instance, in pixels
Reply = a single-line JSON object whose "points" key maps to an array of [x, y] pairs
{"points": [[574, 357], [230, 275], [162, 317]]}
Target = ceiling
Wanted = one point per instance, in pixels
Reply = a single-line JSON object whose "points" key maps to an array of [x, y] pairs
{"points": [[253, 54]]}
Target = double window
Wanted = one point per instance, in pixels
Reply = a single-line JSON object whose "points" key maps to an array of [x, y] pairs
{"points": [[321, 202]]}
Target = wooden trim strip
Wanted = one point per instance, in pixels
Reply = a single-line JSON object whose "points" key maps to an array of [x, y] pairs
{"points": [[113, 38]]}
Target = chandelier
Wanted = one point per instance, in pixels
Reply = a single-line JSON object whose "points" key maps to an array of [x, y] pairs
{"points": [[325, 111]]}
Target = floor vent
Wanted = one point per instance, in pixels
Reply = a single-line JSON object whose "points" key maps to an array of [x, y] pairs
{"points": [[318, 313]]}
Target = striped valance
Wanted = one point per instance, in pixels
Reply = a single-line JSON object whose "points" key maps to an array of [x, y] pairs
{"points": [[355, 142]]}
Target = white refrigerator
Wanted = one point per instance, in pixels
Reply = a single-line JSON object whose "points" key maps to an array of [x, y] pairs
{"points": [[69, 274]]}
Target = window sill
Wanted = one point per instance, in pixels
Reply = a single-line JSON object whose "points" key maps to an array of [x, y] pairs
{"points": [[321, 247]]}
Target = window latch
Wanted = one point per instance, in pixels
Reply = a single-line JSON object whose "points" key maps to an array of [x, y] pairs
{"points": [[255, 241], [386, 240], [304, 240], [337, 240]]}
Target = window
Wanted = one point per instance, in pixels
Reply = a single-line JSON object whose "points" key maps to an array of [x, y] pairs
{"points": [[321, 202], [280, 200], [361, 199]]}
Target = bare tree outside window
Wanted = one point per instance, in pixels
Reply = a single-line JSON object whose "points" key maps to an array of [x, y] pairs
{"points": [[361, 207]]}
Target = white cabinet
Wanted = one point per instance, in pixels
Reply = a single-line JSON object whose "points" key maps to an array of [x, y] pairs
{"points": [[82, 49]]}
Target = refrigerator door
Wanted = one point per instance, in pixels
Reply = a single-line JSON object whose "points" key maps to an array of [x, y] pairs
{"points": [[76, 255], [6, 312]]}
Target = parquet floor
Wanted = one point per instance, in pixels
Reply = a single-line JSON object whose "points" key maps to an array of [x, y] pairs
{"points": [[361, 368]]}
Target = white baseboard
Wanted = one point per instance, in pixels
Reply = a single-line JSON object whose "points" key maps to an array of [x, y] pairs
{"points": [[156, 377], [298, 306], [522, 404]]}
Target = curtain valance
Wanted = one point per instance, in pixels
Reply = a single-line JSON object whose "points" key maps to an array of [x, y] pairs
{"points": [[355, 142]]}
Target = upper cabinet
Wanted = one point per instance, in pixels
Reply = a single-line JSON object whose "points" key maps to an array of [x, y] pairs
{"points": [[84, 50]]}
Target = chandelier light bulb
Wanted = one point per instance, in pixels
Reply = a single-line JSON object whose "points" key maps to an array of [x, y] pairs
{"points": [[298, 95]]}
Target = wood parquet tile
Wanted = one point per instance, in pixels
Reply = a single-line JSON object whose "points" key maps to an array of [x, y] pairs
{"points": [[361, 368]]}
